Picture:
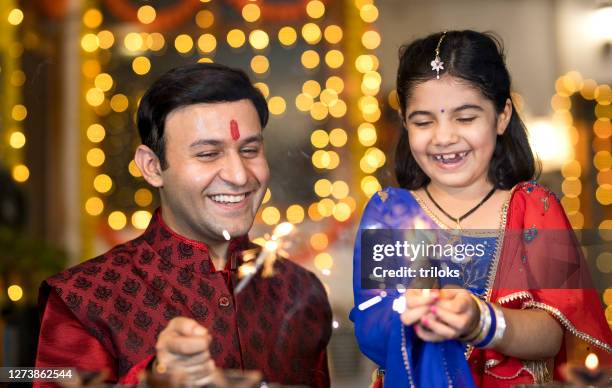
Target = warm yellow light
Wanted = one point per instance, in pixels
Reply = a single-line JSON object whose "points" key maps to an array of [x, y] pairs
{"points": [[319, 241], [141, 66], [313, 212], [311, 33], [570, 205], [207, 43], [367, 165], [571, 169], [106, 39], [141, 219], [328, 97], [205, 19], [591, 362], [558, 102], [15, 16], [277, 105], [263, 88], [315, 9], [551, 142], [376, 157], [604, 194], [117, 220], [94, 206], [334, 59], [287, 36], [270, 215], [251, 12], [260, 64], [342, 212], [92, 18], [103, 82], [14, 292], [320, 159], [310, 59], [236, 38], [21, 173], [183, 43], [323, 261], [338, 137], [267, 196], [90, 68], [18, 78], [90, 42], [603, 111], [94, 97], [319, 138], [304, 102], [604, 264], [340, 190], [368, 13], [603, 94], [338, 109], [370, 39], [133, 42], [571, 187], [95, 157], [146, 14], [312, 88], [602, 128], [372, 80], [295, 214], [335, 83], [393, 100], [323, 188], [259, 39], [143, 197], [318, 111], [333, 34], [370, 185], [334, 160], [119, 103], [134, 170], [325, 207], [103, 183], [572, 81], [96, 133], [362, 3], [368, 104], [365, 63], [17, 140], [602, 160]]}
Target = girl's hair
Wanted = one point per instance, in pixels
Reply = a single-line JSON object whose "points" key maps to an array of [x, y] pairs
{"points": [[477, 58]]}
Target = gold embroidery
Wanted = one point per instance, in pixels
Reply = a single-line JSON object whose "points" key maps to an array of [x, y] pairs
{"points": [[539, 371], [515, 296], [383, 195], [568, 324]]}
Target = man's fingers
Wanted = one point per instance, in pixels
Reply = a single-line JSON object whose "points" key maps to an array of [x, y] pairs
{"points": [[187, 327], [186, 345]]}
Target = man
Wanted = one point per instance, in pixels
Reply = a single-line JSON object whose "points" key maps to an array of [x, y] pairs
{"points": [[166, 298]]}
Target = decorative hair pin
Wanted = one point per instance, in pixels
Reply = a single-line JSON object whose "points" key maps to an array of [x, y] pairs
{"points": [[437, 64]]}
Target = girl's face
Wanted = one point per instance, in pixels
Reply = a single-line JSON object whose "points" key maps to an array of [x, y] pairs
{"points": [[452, 129]]}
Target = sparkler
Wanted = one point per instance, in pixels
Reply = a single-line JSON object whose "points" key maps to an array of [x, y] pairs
{"points": [[266, 257]]}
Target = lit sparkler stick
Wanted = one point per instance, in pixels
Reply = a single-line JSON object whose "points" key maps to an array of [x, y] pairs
{"points": [[267, 255]]}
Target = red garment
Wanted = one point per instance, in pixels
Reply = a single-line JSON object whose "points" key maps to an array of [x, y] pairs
{"points": [[522, 281], [106, 313]]}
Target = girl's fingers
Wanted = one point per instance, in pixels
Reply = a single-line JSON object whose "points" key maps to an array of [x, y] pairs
{"points": [[418, 297], [412, 315], [427, 335], [438, 327]]}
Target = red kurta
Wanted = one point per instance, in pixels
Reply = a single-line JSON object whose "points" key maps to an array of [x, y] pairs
{"points": [[106, 313]]}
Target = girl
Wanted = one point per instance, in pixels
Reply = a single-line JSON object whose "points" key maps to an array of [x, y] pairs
{"points": [[520, 310]]}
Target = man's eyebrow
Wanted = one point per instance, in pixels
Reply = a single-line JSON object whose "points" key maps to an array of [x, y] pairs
{"points": [[253, 139], [202, 142]]}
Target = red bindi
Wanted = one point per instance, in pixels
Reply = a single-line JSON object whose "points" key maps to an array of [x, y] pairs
{"points": [[235, 132]]}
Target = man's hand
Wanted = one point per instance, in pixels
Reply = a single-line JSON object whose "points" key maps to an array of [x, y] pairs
{"points": [[182, 352]]}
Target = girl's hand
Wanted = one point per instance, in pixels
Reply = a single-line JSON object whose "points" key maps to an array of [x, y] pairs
{"points": [[455, 314], [418, 303]]}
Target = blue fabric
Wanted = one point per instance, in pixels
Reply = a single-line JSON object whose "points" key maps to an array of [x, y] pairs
{"points": [[378, 328]]}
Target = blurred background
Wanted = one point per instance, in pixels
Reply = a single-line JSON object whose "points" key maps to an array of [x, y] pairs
{"points": [[72, 73]]}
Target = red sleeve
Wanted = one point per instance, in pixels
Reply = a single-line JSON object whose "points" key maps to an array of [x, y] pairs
{"points": [[322, 372]]}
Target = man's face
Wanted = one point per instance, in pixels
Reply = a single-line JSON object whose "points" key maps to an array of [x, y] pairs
{"points": [[217, 173]]}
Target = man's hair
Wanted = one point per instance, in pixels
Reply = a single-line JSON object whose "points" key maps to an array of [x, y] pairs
{"points": [[188, 85]]}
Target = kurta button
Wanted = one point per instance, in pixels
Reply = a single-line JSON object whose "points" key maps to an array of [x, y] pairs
{"points": [[224, 301]]}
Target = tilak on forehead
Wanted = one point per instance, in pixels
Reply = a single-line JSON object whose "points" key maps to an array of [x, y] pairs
{"points": [[234, 130]]}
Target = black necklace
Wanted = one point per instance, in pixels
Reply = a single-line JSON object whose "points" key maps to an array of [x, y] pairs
{"points": [[467, 214]]}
